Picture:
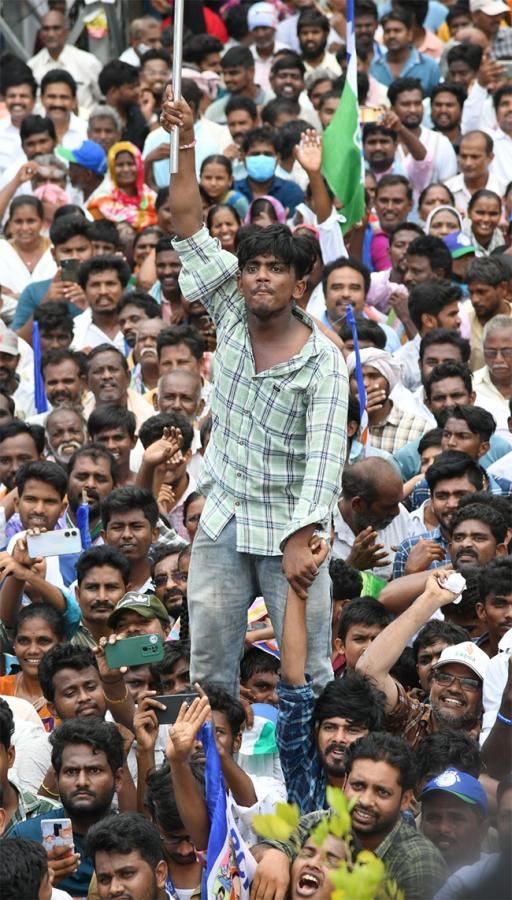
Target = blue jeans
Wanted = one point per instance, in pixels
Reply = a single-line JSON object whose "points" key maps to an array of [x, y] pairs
{"points": [[222, 585]]}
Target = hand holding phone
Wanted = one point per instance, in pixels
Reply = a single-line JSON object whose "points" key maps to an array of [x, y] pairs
{"points": [[134, 651], [172, 704], [54, 543], [57, 833]]}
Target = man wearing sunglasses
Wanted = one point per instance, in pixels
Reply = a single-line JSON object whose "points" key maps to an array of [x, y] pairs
{"points": [[455, 699]]}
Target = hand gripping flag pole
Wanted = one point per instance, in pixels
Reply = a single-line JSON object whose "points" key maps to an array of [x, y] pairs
{"points": [[177, 60]]}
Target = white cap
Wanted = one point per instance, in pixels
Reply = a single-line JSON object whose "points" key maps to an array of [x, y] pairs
{"points": [[261, 15], [8, 340], [466, 654], [489, 7]]}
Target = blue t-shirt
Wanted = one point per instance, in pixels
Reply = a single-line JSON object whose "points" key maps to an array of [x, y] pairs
{"points": [[287, 192], [29, 300]]}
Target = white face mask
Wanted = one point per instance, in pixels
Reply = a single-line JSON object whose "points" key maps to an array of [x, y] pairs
{"points": [[143, 48]]}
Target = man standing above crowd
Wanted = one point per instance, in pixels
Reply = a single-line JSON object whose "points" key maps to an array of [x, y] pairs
{"points": [[248, 487]]}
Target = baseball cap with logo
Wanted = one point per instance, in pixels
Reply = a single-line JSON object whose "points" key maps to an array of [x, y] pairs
{"points": [[8, 340], [461, 785], [459, 244], [89, 154], [466, 654], [489, 7], [145, 605]]}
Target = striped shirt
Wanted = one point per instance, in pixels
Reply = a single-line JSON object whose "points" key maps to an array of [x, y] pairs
{"points": [[275, 457]]}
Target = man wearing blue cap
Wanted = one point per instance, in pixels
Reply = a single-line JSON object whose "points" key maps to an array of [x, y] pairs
{"points": [[87, 166], [454, 816]]}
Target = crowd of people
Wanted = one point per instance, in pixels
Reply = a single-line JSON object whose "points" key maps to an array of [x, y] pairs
{"points": [[272, 443]]}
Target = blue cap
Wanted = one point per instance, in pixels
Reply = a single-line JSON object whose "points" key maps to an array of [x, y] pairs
{"points": [[459, 244], [89, 154], [461, 785]]}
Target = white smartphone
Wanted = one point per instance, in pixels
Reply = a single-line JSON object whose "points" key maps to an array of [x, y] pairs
{"points": [[57, 833], [54, 543]]}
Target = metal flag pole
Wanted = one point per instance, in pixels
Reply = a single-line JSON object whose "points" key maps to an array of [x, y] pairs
{"points": [[177, 59]]}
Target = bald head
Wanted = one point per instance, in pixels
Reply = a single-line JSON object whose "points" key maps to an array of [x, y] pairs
{"points": [[180, 391], [371, 493], [471, 35]]}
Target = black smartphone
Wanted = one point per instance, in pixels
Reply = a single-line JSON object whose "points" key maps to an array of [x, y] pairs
{"points": [[70, 269], [173, 704]]}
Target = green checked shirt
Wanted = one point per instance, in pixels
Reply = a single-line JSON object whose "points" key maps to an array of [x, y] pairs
{"points": [[410, 858], [29, 805], [277, 448]]}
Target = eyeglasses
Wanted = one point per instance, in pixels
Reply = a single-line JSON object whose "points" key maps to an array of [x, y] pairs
{"points": [[160, 580], [467, 684], [506, 352]]}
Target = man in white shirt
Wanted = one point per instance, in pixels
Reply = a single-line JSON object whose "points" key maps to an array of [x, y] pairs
{"points": [[56, 54], [262, 23], [475, 158], [313, 32], [20, 97], [406, 98], [103, 280], [58, 98], [144, 34], [493, 382], [370, 520]]}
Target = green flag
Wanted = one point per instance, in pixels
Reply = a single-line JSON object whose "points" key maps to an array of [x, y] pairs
{"points": [[342, 160]]}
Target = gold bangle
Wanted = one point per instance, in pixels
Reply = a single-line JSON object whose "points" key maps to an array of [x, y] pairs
{"points": [[108, 699], [48, 791]]}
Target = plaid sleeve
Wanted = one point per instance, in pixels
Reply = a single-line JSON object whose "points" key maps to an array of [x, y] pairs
{"points": [[326, 434], [295, 740], [419, 869], [208, 274], [401, 557]]}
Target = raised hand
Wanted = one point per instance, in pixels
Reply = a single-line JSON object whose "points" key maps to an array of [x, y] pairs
{"points": [[183, 734], [309, 152], [177, 113], [145, 722], [165, 449]]}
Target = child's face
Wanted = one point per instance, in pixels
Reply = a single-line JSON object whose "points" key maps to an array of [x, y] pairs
{"points": [[263, 687], [428, 457], [357, 639]]}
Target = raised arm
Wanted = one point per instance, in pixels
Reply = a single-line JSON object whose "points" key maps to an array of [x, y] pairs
{"points": [[384, 651], [185, 200]]}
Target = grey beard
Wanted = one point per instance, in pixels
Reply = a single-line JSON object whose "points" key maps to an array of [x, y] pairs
{"points": [[465, 721]]}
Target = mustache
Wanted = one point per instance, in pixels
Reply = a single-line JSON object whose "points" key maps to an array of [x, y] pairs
{"points": [[466, 551], [335, 745]]}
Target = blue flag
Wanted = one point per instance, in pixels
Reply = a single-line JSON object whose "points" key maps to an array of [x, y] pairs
{"points": [[39, 392]]}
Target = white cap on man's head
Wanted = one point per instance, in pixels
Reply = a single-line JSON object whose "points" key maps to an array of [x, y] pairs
{"points": [[261, 15], [465, 654], [489, 7], [8, 340]]}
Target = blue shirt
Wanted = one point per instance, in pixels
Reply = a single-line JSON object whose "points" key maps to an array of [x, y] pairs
{"points": [[287, 192], [436, 14], [301, 762], [416, 66], [78, 884], [30, 298], [402, 554]]}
